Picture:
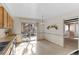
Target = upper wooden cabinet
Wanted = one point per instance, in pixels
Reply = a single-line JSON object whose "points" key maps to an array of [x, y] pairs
{"points": [[6, 20], [10, 22], [1, 17]]}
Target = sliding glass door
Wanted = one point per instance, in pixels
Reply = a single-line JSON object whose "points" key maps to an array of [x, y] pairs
{"points": [[29, 32]]}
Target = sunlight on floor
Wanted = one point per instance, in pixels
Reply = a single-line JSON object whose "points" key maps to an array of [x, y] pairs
{"points": [[27, 38], [20, 48], [31, 49], [25, 49]]}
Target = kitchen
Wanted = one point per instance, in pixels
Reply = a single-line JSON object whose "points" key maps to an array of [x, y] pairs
{"points": [[17, 21]]}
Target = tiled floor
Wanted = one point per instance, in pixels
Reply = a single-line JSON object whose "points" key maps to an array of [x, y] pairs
{"points": [[45, 47]]}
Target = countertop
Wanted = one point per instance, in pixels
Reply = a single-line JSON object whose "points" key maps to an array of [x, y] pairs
{"points": [[6, 39]]}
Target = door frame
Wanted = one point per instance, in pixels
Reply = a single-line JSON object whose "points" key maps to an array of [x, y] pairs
{"points": [[64, 31], [30, 23]]}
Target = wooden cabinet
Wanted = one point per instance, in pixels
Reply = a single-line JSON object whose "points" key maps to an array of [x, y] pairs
{"points": [[6, 20], [10, 22], [1, 17]]}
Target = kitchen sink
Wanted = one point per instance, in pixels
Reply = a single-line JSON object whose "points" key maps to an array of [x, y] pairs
{"points": [[3, 45]]}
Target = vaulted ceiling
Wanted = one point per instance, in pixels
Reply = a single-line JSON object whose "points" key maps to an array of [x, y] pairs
{"points": [[36, 10]]}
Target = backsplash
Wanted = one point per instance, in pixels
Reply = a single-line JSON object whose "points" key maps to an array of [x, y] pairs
{"points": [[2, 33]]}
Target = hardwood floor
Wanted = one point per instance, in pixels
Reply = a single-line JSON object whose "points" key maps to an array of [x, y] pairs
{"points": [[45, 47], [71, 43]]}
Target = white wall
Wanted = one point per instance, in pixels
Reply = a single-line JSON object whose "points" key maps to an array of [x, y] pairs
{"points": [[53, 35], [78, 35], [17, 26]]}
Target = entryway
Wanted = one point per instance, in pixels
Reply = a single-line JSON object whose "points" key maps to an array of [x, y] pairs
{"points": [[71, 34]]}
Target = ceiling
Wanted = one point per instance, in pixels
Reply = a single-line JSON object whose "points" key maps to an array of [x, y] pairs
{"points": [[37, 10], [22, 9]]}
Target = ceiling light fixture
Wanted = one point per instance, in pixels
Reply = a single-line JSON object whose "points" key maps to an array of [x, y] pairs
{"points": [[42, 21]]}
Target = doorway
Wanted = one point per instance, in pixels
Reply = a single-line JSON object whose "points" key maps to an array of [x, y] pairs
{"points": [[29, 32], [29, 39], [71, 34]]}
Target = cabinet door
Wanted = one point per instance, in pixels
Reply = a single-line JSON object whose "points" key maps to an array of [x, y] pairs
{"points": [[8, 21], [5, 19], [1, 17], [11, 23]]}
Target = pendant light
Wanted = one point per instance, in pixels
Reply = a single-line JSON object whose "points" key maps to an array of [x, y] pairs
{"points": [[42, 21]]}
